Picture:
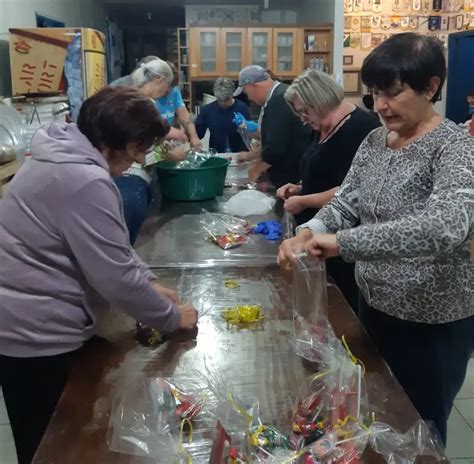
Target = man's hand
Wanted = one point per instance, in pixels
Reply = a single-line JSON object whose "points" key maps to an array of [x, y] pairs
{"points": [[241, 156], [322, 246], [288, 190]]}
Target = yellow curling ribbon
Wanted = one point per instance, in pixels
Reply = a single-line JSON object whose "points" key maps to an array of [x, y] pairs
{"points": [[189, 459], [351, 356], [341, 423], [239, 408], [247, 314]]}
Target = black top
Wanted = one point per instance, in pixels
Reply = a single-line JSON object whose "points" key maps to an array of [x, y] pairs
{"points": [[324, 166], [284, 139]]}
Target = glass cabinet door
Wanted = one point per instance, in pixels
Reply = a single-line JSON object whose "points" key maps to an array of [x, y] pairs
{"points": [[208, 47], [261, 47], [286, 53], [285, 42], [233, 49]]}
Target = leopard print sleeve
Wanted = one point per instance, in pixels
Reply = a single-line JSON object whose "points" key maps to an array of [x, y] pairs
{"points": [[440, 225]]}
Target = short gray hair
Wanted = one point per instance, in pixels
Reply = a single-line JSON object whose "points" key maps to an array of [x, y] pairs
{"points": [[317, 90], [152, 70], [224, 88]]}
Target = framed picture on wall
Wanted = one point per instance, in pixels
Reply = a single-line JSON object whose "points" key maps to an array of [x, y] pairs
{"points": [[352, 82], [347, 60]]}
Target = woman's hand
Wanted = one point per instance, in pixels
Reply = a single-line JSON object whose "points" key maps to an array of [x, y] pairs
{"points": [[288, 191], [196, 143], [188, 317], [177, 134], [177, 154], [292, 247], [322, 246], [294, 205], [166, 292]]}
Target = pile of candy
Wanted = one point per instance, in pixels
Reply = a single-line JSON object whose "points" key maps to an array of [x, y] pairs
{"points": [[228, 241], [245, 314]]}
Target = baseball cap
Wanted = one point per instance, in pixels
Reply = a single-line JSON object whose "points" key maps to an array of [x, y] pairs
{"points": [[250, 75]]}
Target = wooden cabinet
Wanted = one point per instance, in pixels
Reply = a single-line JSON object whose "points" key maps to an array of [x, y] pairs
{"points": [[205, 51], [317, 45], [260, 47], [234, 50], [287, 51]]}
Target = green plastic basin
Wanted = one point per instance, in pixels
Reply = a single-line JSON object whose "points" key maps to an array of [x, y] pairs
{"points": [[194, 184]]}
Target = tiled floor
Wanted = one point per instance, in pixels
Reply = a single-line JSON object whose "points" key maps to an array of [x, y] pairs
{"points": [[460, 448]]}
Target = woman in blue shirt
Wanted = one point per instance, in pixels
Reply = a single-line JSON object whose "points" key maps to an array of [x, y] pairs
{"points": [[218, 117], [172, 106]]}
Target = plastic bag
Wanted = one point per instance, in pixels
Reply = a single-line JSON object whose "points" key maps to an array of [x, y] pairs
{"points": [[248, 203], [225, 230], [156, 418], [312, 331], [398, 448]]}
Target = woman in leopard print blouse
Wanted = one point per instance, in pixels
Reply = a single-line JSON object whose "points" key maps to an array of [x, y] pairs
{"points": [[404, 214]]}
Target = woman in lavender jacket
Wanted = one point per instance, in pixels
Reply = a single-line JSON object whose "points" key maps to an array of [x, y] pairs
{"points": [[65, 254]]}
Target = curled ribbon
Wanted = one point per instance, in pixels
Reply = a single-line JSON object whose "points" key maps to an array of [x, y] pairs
{"points": [[351, 355]]}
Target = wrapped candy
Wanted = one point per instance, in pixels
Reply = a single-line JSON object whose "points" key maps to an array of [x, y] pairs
{"points": [[268, 438], [225, 230], [184, 406], [148, 336]]}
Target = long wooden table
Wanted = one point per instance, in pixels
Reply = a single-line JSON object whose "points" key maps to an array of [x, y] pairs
{"points": [[257, 363]]}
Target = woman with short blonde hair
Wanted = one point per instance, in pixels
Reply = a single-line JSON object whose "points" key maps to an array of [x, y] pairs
{"points": [[340, 128]]}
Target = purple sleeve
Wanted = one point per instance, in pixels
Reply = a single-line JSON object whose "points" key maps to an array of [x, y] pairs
{"points": [[94, 231]]}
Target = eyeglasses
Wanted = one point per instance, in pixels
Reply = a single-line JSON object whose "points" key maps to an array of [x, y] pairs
{"points": [[301, 112]]}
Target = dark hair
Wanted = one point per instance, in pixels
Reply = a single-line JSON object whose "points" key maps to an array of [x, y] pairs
{"points": [[368, 101], [408, 58], [175, 80], [117, 116]]}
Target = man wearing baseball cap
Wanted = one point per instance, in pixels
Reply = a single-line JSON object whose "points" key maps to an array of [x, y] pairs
{"points": [[284, 138]]}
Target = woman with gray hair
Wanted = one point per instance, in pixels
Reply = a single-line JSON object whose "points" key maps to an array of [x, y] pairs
{"points": [[218, 117], [153, 78], [340, 128]]}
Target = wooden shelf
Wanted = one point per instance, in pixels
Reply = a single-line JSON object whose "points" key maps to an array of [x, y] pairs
{"points": [[312, 52]]}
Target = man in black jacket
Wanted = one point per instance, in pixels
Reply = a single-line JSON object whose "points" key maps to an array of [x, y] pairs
{"points": [[284, 137]]}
